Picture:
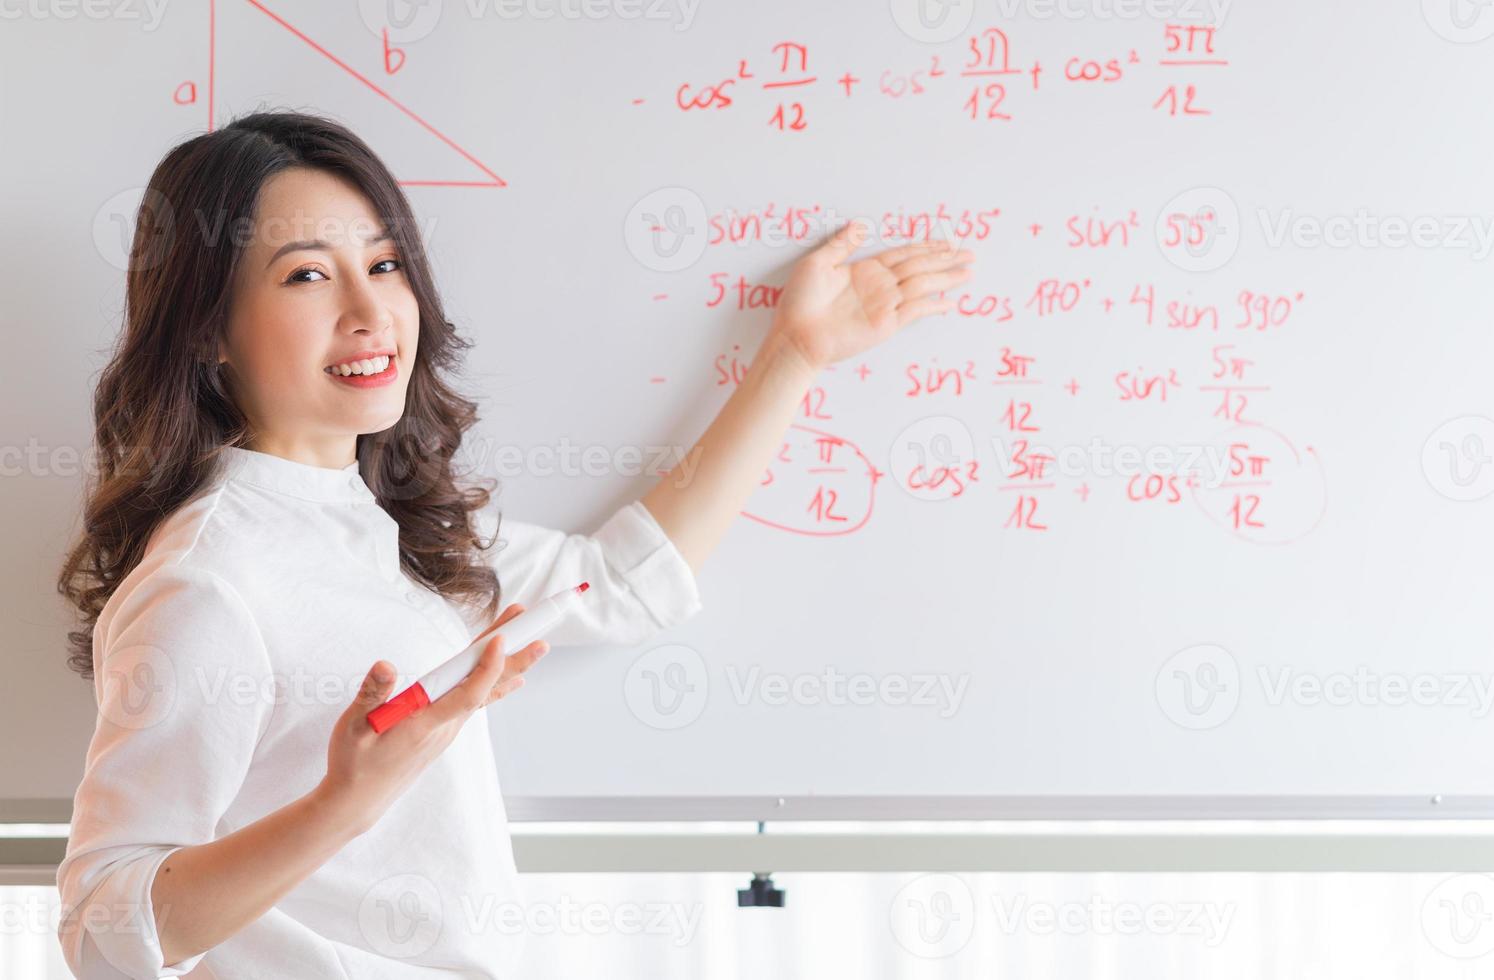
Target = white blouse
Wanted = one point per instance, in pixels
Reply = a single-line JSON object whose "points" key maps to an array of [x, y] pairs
{"points": [[220, 665]]}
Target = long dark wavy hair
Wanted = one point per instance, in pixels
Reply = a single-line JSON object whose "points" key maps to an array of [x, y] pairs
{"points": [[163, 410]]}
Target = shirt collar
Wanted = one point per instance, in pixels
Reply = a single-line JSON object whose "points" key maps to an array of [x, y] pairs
{"points": [[297, 479]]}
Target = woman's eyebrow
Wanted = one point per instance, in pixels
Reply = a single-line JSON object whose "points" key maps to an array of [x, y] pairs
{"points": [[317, 244]]}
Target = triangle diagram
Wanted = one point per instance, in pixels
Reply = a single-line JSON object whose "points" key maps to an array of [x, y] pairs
{"points": [[483, 177]]}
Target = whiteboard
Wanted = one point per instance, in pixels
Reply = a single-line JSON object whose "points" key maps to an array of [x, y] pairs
{"points": [[1185, 510]]}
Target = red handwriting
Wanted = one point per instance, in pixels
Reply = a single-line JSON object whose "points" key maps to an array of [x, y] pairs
{"points": [[749, 296], [1094, 232], [1139, 386], [818, 484]]}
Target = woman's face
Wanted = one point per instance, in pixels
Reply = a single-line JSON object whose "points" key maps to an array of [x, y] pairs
{"points": [[319, 284]]}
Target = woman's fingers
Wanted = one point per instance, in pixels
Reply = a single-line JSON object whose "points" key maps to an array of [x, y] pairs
{"points": [[510, 611], [514, 668], [523, 660], [495, 675], [931, 262], [922, 294], [504, 690], [922, 285], [894, 257], [928, 305], [471, 692], [842, 244]]}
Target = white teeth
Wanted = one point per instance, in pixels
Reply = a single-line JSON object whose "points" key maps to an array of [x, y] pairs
{"points": [[373, 365]]}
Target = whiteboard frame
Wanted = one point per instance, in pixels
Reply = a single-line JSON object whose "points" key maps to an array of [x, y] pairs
{"points": [[1455, 835], [843, 808], [1425, 848], [608, 809]]}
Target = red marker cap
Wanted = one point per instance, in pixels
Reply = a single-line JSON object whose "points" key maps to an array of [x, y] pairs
{"points": [[405, 703]]}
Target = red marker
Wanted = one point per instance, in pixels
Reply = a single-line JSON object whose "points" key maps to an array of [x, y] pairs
{"points": [[518, 633]]}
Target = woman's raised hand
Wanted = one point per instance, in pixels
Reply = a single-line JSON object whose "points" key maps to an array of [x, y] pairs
{"points": [[832, 308]]}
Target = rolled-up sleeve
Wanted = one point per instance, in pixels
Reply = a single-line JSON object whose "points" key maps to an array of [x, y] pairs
{"points": [[184, 691], [639, 583]]}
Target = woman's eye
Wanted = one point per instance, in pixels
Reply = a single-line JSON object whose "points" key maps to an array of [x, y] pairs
{"points": [[299, 274]]}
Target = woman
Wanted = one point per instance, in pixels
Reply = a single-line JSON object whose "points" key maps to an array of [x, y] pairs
{"points": [[277, 504]]}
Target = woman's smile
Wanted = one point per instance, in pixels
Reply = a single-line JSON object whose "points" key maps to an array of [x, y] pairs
{"points": [[373, 372]]}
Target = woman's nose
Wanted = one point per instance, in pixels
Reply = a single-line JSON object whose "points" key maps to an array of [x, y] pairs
{"points": [[365, 311]]}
